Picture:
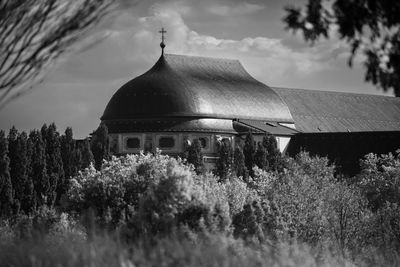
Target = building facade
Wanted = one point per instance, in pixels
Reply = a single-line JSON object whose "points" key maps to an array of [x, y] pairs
{"points": [[182, 98]]}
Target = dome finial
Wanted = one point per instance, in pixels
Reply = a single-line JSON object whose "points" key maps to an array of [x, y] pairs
{"points": [[162, 44]]}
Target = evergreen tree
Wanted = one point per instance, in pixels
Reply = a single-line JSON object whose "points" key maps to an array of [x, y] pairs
{"points": [[194, 156], [29, 201], [54, 163], [249, 153], [224, 162], [13, 157], [100, 145], [19, 153], [239, 165], [67, 155], [273, 153], [6, 190], [260, 157], [38, 168], [83, 155]]}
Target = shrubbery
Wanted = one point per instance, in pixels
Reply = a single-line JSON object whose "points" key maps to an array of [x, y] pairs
{"points": [[306, 202], [156, 194], [153, 197]]}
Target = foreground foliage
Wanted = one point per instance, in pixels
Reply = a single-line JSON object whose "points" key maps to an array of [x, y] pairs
{"points": [[147, 209]]}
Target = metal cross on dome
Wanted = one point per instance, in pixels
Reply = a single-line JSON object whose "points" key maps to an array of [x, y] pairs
{"points": [[162, 44]]}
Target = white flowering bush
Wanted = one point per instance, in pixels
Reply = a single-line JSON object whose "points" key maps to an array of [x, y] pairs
{"points": [[155, 194]]}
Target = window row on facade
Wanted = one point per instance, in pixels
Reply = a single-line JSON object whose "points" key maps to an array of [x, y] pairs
{"points": [[172, 143]]}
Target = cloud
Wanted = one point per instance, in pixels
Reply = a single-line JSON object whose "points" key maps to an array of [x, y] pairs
{"points": [[269, 59], [236, 10], [133, 45]]}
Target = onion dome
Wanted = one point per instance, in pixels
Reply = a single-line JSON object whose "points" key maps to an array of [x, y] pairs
{"points": [[188, 87]]}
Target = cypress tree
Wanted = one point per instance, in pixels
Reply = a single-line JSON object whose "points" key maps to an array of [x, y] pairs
{"points": [[224, 162], [6, 190], [67, 155], [54, 163], [260, 157], [38, 168], [194, 156], [29, 201], [249, 153], [239, 166], [273, 153], [13, 157], [84, 155], [100, 145], [20, 152]]}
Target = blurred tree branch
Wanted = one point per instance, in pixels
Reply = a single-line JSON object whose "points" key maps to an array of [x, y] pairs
{"points": [[35, 33], [371, 27]]}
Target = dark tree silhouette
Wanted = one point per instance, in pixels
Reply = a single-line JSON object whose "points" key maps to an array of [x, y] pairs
{"points": [[249, 151], [239, 165], [194, 155], [83, 155], [34, 33], [100, 145], [55, 170], [368, 26], [6, 190], [38, 168], [260, 157], [20, 153], [68, 148], [274, 157], [224, 162]]}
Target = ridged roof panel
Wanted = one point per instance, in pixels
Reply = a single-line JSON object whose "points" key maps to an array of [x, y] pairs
{"points": [[187, 86], [322, 111]]}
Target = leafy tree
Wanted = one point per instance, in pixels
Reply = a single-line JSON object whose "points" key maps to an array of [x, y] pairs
{"points": [[155, 194], [194, 155], [35, 33], [239, 166], [249, 222], [249, 152], [54, 162], [38, 167], [100, 145], [6, 190], [224, 162], [379, 179], [370, 27], [260, 157]]}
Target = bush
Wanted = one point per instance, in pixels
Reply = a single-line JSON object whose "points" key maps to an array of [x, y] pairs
{"points": [[155, 195], [379, 179]]}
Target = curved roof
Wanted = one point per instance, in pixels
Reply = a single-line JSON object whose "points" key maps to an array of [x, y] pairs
{"points": [[322, 111], [196, 87]]}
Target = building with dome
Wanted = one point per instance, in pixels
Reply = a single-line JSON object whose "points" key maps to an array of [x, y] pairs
{"points": [[182, 98]]}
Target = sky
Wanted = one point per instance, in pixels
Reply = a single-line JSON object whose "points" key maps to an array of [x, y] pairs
{"points": [[76, 91]]}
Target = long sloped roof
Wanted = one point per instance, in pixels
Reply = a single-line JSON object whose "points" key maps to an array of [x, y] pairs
{"points": [[321, 111], [196, 87]]}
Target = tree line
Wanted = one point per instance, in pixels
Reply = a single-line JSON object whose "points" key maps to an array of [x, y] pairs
{"points": [[36, 168], [239, 161]]}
